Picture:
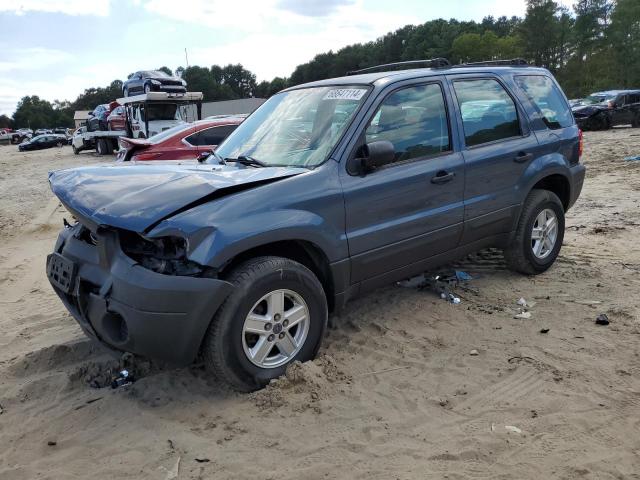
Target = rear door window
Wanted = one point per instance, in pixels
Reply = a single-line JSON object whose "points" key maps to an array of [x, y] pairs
{"points": [[414, 120], [488, 111], [547, 99]]}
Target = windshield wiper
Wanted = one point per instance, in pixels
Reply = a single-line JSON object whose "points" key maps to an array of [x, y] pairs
{"points": [[246, 160]]}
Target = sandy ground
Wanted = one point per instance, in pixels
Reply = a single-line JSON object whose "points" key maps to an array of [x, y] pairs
{"points": [[395, 393]]}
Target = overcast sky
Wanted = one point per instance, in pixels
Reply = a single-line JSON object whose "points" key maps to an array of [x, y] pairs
{"points": [[57, 48]]}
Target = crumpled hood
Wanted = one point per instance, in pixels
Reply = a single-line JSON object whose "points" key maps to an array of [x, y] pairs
{"points": [[587, 110], [135, 197]]}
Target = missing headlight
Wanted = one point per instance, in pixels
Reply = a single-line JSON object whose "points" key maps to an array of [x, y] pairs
{"points": [[166, 255]]}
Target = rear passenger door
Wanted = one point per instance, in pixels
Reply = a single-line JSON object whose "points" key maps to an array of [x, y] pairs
{"points": [[497, 148], [411, 209]]}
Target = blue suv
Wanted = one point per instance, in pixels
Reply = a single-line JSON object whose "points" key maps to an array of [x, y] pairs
{"points": [[328, 190]]}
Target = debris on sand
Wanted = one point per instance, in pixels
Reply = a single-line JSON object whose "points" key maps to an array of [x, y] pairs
{"points": [[474, 353], [602, 319], [523, 315], [440, 283], [511, 428], [522, 302], [52, 443], [544, 330]]}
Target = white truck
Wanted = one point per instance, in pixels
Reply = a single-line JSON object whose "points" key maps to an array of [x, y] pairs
{"points": [[145, 115]]}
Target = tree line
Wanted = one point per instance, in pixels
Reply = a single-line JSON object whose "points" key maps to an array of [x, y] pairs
{"points": [[594, 46]]}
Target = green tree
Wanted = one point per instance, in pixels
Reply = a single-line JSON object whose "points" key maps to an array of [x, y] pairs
{"points": [[166, 70]]}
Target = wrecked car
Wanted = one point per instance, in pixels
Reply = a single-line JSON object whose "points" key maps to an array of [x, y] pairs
{"points": [[603, 110], [328, 190]]}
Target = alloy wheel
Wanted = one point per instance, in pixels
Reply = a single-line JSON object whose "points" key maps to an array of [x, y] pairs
{"points": [[275, 329], [544, 233]]}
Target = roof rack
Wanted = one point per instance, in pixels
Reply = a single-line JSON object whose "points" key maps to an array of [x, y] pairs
{"points": [[514, 62], [430, 63]]}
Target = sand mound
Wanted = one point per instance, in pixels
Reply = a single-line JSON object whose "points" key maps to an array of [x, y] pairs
{"points": [[303, 386]]}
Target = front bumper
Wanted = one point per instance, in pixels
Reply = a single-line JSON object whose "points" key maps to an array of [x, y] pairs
{"points": [[131, 309], [169, 88]]}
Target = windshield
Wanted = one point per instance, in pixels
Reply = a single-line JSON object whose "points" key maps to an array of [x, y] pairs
{"points": [[594, 99], [297, 128], [161, 111], [156, 73]]}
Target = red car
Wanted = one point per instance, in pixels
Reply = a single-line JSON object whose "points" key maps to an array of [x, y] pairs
{"points": [[182, 142], [116, 119]]}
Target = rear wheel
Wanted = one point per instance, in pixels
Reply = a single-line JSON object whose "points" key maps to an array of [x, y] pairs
{"points": [[125, 92], [539, 234], [147, 88], [636, 120], [75, 150], [101, 147], [276, 314]]}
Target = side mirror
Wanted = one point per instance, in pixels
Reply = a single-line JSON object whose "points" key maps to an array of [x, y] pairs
{"points": [[372, 156], [202, 156]]}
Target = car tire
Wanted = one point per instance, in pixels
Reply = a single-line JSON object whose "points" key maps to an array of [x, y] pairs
{"points": [[523, 254], [227, 346], [75, 150], [125, 92], [101, 146], [636, 121], [147, 88]]}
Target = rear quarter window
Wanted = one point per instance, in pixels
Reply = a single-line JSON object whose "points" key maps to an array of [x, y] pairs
{"points": [[547, 99]]}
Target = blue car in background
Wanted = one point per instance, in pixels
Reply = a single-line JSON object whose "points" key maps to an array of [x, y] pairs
{"points": [[328, 190]]}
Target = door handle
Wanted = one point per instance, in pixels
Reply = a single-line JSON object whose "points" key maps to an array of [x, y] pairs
{"points": [[442, 177], [523, 157]]}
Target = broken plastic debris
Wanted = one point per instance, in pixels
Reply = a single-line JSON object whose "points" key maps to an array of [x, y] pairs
{"points": [[123, 379], [522, 302], [511, 428], [474, 352], [413, 282], [523, 316], [634, 158], [602, 319]]}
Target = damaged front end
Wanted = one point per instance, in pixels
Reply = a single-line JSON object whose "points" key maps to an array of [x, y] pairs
{"points": [[165, 255], [135, 294]]}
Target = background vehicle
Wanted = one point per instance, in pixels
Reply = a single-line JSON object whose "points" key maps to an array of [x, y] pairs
{"points": [[602, 110], [98, 118], [152, 112], [79, 142], [152, 81], [42, 131], [295, 213], [182, 142], [43, 141], [117, 119]]}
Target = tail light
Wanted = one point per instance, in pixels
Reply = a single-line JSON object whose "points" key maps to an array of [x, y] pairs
{"points": [[146, 156], [580, 143]]}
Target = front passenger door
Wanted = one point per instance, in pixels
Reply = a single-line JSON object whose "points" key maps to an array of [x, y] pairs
{"points": [[411, 209]]}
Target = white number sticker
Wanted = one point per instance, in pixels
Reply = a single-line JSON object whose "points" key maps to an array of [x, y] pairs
{"points": [[344, 94]]}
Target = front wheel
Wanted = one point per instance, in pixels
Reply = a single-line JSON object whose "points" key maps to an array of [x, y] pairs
{"points": [[75, 150], [539, 234], [147, 88], [276, 314]]}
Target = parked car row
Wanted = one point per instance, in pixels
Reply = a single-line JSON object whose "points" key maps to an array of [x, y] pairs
{"points": [[603, 110], [39, 142]]}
